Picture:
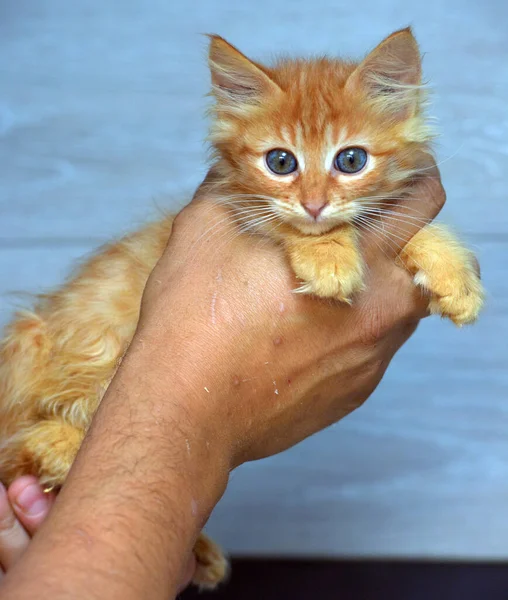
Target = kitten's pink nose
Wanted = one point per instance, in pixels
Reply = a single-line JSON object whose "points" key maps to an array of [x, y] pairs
{"points": [[314, 207]]}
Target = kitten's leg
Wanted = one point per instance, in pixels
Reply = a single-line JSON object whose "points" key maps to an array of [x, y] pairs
{"points": [[48, 394], [212, 566], [446, 269], [56, 361], [46, 449], [330, 265]]}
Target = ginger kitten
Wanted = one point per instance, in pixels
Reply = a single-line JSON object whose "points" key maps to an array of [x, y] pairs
{"points": [[305, 151]]}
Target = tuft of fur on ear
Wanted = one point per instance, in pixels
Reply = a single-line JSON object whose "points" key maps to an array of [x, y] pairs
{"points": [[235, 78], [391, 75]]}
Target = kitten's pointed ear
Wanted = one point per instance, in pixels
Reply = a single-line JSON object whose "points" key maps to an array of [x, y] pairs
{"points": [[235, 78], [391, 74]]}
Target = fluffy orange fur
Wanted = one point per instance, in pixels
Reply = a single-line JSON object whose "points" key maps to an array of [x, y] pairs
{"points": [[57, 359]]}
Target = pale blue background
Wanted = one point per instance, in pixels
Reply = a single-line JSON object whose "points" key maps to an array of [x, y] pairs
{"points": [[101, 119]]}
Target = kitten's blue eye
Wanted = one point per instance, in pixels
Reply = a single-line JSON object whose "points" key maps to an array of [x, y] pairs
{"points": [[351, 160], [281, 162]]}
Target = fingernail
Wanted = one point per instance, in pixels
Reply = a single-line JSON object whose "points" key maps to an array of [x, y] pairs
{"points": [[4, 502], [32, 500], [5, 507]]}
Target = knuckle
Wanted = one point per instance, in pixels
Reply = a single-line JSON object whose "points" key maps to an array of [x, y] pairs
{"points": [[375, 365], [375, 325], [432, 189], [408, 328], [438, 194], [178, 219], [193, 211]]}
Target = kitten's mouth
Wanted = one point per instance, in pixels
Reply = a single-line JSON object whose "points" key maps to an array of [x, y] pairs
{"points": [[310, 226], [320, 223]]}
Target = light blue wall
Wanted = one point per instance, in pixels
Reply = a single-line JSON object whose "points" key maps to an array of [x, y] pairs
{"points": [[101, 119]]}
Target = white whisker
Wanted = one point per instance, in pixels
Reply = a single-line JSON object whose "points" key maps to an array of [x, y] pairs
{"points": [[397, 217], [372, 223], [364, 225]]}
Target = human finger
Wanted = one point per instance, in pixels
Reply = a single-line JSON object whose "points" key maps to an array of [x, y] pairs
{"points": [[30, 504], [14, 539]]}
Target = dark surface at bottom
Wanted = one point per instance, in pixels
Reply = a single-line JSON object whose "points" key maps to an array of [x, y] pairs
{"points": [[360, 580]]}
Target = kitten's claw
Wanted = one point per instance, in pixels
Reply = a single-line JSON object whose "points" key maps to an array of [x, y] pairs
{"points": [[308, 288], [331, 281], [304, 288]]}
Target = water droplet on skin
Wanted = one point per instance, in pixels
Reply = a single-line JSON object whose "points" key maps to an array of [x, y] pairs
{"points": [[236, 381], [212, 308], [282, 308]]}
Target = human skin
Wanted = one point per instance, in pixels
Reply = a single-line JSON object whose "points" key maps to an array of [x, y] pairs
{"points": [[227, 365]]}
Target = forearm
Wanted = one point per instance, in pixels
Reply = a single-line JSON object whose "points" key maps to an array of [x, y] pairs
{"points": [[142, 487]]}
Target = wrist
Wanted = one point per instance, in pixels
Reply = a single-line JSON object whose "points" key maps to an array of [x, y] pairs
{"points": [[145, 481], [182, 417]]}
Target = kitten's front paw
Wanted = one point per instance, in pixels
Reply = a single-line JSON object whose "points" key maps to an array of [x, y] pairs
{"points": [[212, 566], [458, 295], [328, 273]]}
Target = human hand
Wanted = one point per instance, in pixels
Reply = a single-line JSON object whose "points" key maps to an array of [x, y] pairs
{"points": [[262, 367], [23, 508]]}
